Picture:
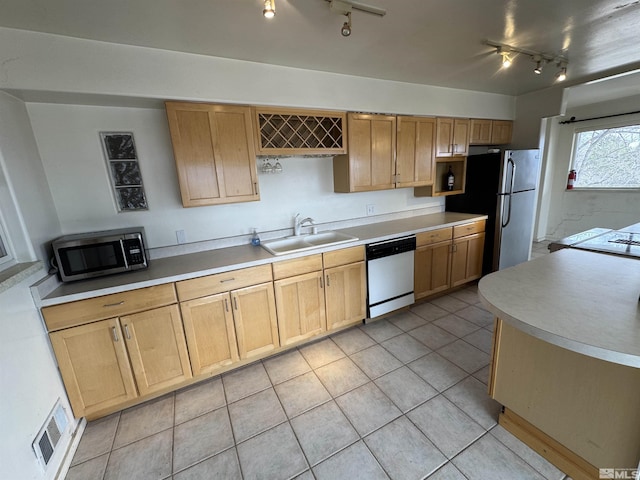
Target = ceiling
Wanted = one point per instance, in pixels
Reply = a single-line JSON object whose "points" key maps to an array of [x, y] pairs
{"points": [[433, 42]]}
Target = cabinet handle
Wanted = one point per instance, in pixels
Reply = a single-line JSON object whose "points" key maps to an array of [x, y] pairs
{"points": [[126, 331], [226, 304], [235, 302], [227, 280], [115, 334], [454, 248], [255, 187], [114, 304], [328, 284], [321, 283]]}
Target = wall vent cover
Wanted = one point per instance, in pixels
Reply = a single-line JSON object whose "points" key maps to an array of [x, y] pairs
{"points": [[49, 435]]}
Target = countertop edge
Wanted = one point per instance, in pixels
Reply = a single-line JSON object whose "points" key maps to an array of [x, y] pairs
{"points": [[266, 258], [563, 340], [573, 345]]}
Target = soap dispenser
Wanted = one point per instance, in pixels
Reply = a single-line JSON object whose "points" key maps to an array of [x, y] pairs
{"points": [[255, 239]]}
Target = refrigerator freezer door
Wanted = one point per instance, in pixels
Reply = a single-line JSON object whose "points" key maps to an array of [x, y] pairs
{"points": [[525, 174], [513, 242]]}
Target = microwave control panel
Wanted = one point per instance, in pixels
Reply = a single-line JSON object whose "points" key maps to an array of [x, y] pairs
{"points": [[134, 251]]}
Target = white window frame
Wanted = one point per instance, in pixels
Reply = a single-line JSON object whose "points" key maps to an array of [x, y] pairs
{"points": [[8, 259], [601, 125]]}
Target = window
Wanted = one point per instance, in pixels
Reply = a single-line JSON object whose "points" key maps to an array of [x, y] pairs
{"points": [[6, 257], [607, 157]]}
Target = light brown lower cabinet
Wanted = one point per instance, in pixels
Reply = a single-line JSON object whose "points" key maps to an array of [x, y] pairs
{"points": [[99, 361], [94, 365], [345, 287], [346, 295], [210, 331], [157, 348], [466, 259], [431, 269], [300, 307], [254, 313], [448, 257]]}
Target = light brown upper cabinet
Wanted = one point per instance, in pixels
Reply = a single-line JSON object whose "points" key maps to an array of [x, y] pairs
{"points": [[214, 153], [369, 165], [452, 137], [386, 152], [490, 132], [288, 131], [415, 151]]}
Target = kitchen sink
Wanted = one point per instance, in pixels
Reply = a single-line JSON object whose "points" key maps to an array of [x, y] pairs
{"points": [[282, 246]]}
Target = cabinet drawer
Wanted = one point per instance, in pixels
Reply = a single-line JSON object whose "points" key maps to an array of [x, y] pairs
{"points": [[297, 266], [108, 306], [468, 229], [434, 236], [223, 282], [343, 256]]}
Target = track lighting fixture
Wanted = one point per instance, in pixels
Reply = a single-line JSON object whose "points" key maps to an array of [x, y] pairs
{"points": [[538, 60], [561, 76], [506, 59], [269, 8], [507, 52], [346, 27], [344, 7]]}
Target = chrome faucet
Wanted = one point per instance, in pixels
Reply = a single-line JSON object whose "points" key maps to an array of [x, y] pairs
{"points": [[298, 224]]}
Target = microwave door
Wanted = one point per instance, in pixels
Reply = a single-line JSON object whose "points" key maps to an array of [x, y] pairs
{"points": [[87, 259]]}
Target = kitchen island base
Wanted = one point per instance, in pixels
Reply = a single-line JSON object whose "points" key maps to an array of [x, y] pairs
{"points": [[579, 412]]}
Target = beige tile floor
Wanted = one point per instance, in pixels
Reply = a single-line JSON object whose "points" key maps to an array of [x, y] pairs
{"points": [[400, 398]]}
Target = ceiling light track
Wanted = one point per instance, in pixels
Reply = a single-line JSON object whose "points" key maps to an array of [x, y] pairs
{"points": [[344, 6], [508, 54]]}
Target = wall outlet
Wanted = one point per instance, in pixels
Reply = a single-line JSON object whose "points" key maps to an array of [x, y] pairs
{"points": [[181, 237], [371, 209]]}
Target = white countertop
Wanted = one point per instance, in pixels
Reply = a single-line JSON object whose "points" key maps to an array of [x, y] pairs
{"points": [[582, 301], [184, 267]]}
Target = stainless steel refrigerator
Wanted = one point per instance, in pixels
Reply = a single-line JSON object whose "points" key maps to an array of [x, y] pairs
{"points": [[503, 186]]}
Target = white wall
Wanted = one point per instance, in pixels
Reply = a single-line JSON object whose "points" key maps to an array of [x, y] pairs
{"points": [[77, 173], [573, 211], [25, 197], [29, 382]]}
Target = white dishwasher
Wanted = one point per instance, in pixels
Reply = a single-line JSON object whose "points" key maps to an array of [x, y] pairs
{"points": [[390, 275]]}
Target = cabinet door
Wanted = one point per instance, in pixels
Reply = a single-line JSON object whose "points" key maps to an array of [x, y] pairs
{"points": [[431, 269], [94, 366], [480, 131], [254, 314], [214, 153], [444, 137], [211, 336], [371, 158], [346, 295], [501, 132], [300, 307], [466, 259], [461, 137], [415, 151], [157, 348]]}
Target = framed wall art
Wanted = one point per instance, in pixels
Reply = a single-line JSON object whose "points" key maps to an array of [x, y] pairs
{"points": [[126, 178]]}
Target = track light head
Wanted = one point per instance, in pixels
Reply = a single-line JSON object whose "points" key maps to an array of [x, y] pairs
{"points": [[561, 76], [539, 64], [506, 58], [269, 9], [346, 27]]}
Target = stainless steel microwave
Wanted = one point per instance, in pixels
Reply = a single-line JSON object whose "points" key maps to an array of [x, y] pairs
{"points": [[87, 255]]}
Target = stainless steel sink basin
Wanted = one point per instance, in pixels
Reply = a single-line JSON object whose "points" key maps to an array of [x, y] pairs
{"points": [[282, 246]]}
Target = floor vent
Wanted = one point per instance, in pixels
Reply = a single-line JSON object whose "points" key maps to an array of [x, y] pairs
{"points": [[49, 435]]}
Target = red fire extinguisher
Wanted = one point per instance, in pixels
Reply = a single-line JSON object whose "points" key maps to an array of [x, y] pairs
{"points": [[572, 179]]}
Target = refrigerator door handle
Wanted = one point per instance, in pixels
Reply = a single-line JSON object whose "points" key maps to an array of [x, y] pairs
{"points": [[508, 195]]}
